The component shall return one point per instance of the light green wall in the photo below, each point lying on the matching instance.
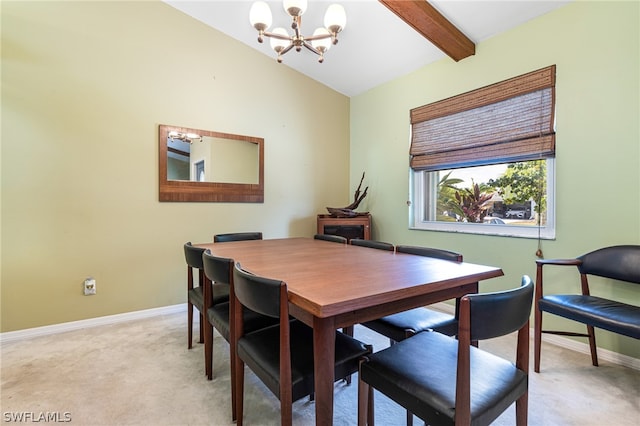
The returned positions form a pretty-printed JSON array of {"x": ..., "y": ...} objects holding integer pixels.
[
  {"x": 595, "y": 46},
  {"x": 84, "y": 87}
]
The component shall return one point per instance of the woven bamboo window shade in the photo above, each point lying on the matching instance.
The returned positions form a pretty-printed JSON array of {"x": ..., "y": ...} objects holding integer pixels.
[{"x": 509, "y": 121}]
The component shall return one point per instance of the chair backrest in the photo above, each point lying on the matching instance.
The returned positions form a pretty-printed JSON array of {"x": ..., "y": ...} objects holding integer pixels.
[
  {"x": 616, "y": 262},
  {"x": 498, "y": 313},
  {"x": 430, "y": 252},
  {"x": 237, "y": 236},
  {"x": 332, "y": 238},
  {"x": 193, "y": 255},
  {"x": 262, "y": 295},
  {"x": 488, "y": 315},
  {"x": 217, "y": 269},
  {"x": 380, "y": 245}
]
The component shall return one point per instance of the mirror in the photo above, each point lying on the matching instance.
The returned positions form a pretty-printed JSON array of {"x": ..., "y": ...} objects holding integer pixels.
[{"x": 202, "y": 165}]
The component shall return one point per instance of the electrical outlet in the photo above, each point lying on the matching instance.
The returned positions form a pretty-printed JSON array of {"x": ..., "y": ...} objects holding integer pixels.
[{"x": 89, "y": 286}]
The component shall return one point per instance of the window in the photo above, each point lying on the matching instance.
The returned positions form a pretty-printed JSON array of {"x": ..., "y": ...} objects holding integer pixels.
[{"x": 483, "y": 162}]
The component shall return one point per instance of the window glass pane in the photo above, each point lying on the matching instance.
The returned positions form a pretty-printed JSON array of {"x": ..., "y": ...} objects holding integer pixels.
[
  {"x": 504, "y": 199},
  {"x": 478, "y": 194}
]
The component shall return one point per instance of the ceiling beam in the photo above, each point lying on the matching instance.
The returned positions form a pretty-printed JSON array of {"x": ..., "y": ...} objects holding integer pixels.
[{"x": 425, "y": 19}]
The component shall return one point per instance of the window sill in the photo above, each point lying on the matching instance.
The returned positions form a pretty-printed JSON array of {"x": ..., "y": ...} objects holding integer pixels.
[{"x": 513, "y": 231}]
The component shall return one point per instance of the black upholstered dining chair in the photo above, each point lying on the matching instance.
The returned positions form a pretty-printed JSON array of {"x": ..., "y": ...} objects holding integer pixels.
[
  {"x": 445, "y": 381},
  {"x": 195, "y": 294},
  {"x": 405, "y": 324},
  {"x": 332, "y": 238},
  {"x": 380, "y": 245},
  {"x": 237, "y": 236},
  {"x": 399, "y": 326},
  {"x": 219, "y": 273},
  {"x": 281, "y": 356}
]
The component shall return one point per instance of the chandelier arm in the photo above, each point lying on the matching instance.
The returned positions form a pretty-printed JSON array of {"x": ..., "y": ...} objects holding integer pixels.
[
  {"x": 318, "y": 37},
  {"x": 278, "y": 36},
  {"x": 286, "y": 49},
  {"x": 311, "y": 48}
]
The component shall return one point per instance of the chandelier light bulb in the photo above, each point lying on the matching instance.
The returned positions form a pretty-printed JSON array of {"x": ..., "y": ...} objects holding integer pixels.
[
  {"x": 260, "y": 17},
  {"x": 335, "y": 19},
  {"x": 295, "y": 7},
  {"x": 277, "y": 44},
  {"x": 322, "y": 44}
]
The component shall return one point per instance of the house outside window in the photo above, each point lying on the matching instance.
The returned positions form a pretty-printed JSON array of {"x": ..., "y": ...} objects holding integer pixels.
[{"x": 484, "y": 161}]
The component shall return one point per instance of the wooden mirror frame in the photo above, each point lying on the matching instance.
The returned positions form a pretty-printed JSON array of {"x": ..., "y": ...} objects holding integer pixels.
[{"x": 178, "y": 190}]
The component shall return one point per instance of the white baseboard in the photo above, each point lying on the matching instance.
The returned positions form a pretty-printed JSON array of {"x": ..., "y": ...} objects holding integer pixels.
[
  {"x": 603, "y": 354},
  {"x": 12, "y": 336},
  {"x": 566, "y": 343}
]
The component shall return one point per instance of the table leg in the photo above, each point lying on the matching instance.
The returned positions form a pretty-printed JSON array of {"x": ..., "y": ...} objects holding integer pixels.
[{"x": 324, "y": 345}]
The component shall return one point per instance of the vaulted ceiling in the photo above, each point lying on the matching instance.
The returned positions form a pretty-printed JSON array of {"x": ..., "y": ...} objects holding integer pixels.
[{"x": 382, "y": 40}]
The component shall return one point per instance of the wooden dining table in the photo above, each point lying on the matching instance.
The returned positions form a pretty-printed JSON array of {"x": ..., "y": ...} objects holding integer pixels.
[{"x": 334, "y": 285}]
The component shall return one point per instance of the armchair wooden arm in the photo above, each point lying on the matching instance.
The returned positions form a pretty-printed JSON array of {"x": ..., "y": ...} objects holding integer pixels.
[{"x": 558, "y": 262}]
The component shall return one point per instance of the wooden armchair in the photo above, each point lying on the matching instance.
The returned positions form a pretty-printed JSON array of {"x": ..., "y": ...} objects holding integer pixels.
[{"x": 619, "y": 263}]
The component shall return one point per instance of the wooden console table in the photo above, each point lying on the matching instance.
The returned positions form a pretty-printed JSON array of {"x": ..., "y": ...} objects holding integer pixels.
[{"x": 348, "y": 227}]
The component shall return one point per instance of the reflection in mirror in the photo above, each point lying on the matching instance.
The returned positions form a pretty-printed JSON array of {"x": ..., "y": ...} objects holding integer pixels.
[
  {"x": 211, "y": 159},
  {"x": 201, "y": 165}
]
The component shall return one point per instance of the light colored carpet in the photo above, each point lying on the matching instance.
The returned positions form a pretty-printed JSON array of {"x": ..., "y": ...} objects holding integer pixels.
[{"x": 141, "y": 373}]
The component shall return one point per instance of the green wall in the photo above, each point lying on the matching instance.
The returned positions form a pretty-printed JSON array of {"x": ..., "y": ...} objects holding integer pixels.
[
  {"x": 595, "y": 46},
  {"x": 84, "y": 87},
  {"x": 86, "y": 84}
]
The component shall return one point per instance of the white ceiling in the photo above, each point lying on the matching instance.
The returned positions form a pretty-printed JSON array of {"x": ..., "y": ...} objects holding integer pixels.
[{"x": 376, "y": 46}]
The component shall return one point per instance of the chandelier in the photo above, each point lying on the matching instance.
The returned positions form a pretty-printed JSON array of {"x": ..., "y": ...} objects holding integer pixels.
[
  {"x": 281, "y": 41},
  {"x": 184, "y": 137}
]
